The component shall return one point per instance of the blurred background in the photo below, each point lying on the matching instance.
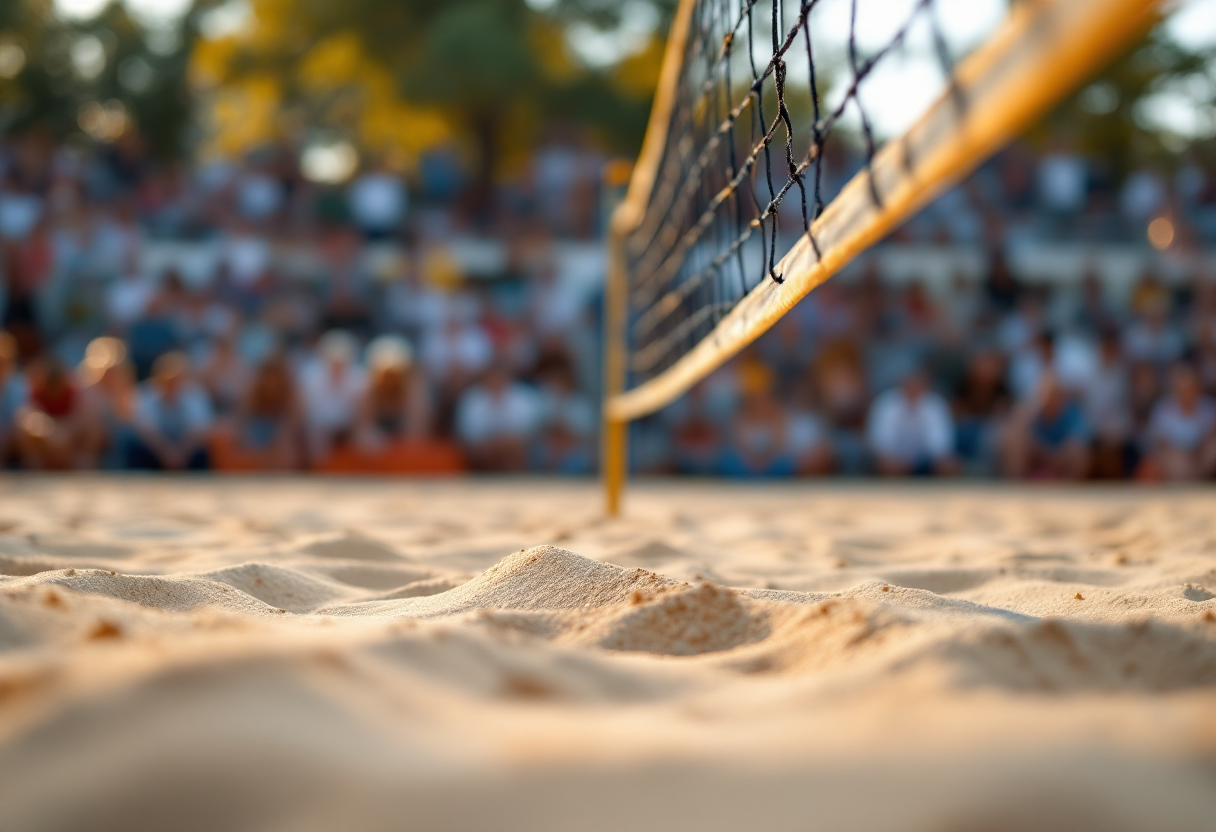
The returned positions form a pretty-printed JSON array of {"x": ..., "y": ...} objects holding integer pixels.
[{"x": 366, "y": 237}]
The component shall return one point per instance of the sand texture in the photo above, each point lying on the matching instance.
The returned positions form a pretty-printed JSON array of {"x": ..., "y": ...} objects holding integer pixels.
[{"x": 328, "y": 655}]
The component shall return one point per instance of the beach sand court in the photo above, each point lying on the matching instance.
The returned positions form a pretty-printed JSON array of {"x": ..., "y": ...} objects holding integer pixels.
[{"x": 313, "y": 654}]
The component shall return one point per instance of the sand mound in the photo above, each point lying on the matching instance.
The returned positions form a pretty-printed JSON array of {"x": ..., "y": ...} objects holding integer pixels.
[
  {"x": 682, "y": 622},
  {"x": 178, "y": 594},
  {"x": 541, "y": 578}
]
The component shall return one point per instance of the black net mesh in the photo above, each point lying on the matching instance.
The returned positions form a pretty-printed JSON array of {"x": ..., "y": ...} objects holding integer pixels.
[{"x": 747, "y": 163}]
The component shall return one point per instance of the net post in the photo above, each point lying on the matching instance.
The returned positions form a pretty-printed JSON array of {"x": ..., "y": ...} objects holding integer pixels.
[
  {"x": 614, "y": 456},
  {"x": 614, "y": 452}
]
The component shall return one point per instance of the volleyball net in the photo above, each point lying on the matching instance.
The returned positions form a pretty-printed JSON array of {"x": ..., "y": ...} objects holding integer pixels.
[{"x": 738, "y": 206}]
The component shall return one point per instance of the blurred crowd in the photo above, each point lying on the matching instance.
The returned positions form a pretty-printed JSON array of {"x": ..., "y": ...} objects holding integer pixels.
[
  {"x": 391, "y": 324},
  {"x": 1027, "y": 198},
  {"x": 284, "y": 325},
  {"x": 987, "y": 377}
]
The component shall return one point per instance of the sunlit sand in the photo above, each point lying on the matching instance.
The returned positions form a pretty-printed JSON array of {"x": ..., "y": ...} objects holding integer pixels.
[{"x": 322, "y": 654}]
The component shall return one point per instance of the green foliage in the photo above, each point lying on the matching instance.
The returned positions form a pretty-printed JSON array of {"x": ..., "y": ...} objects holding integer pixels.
[
  {"x": 1107, "y": 119},
  {"x": 475, "y": 55},
  {"x": 117, "y": 67}
]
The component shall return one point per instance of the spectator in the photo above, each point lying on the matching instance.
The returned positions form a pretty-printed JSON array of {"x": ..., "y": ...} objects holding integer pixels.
[
  {"x": 962, "y": 308},
  {"x": 1149, "y": 295},
  {"x": 808, "y": 443},
  {"x": 258, "y": 194},
  {"x": 128, "y": 298},
  {"x": 457, "y": 352},
  {"x": 910, "y": 430},
  {"x": 1062, "y": 182},
  {"x": 696, "y": 445},
  {"x": 225, "y": 375},
  {"x": 1030, "y": 363},
  {"x": 20, "y": 210},
  {"x": 566, "y": 441},
  {"x": 1150, "y": 338},
  {"x": 13, "y": 396},
  {"x": 842, "y": 393},
  {"x": 26, "y": 265},
  {"x": 496, "y": 421},
  {"x": 246, "y": 262},
  {"x": 267, "y": 425},
  {"x": 173, "y": 418},
  {"x": 1143, "y": 195},
  {"x": 554, "y": 305},
  {"x": 980, "y": 404},
  {"x": 378, "y": 202},
  {"x": 1074, "y": 359},
  {"x": 1092, "y": 313},
  {"x": 111, "y": 395},
  {"x": 1104, "y": 398},
  {"x": 759, "y": 444},
  {"x": 1002, "y": 289},
  {"x": 153, "y": 334},
  {"x": 396, "y": 405},
  {"x": 1144, "y": 389},
  {"x": 1047, "y": 436},
  {"x": 1182, "y": 431},
  {"x": 53, "y": 427},
  {"x": 332, "y": 386},
  {"x": 1205, "y": 356},
  {"x": 1021, "y": 326}
]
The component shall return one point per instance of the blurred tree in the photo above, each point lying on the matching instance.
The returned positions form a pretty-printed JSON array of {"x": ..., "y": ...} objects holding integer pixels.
[
  {"x": 107, "y": 77},
  {"x": 1116, "y": 118},
  {"x": 399, "y": 76},
  {"x": 405, "y": 75}
]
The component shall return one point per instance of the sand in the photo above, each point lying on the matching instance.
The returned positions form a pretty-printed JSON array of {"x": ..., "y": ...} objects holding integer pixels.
[{"x": 322, "y": 655}]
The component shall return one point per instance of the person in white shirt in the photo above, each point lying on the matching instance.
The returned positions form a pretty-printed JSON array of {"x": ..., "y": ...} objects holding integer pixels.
[
  {"x": 1182, "y": 430},
  {"x": 455, "y": 354},
  {"x": 247, "y": 257},
  {"x": 331, "y": 387},
  {"x": 1151, "y": 338},
  {"x": 258, "y": 195},
  {"x": 910, "y": 430},
  {"x": 129, "y": 297},
  {"x": 496, "y": 422},
  {"x": 378, "y": 203},
  {"x": 172, "y": 419},
  {"x": 1104, "y": 398},
  {"x": 1062, "y": 181},
  {"x": 567, "y": 423},
  {"x": 1027, "y": 365}
]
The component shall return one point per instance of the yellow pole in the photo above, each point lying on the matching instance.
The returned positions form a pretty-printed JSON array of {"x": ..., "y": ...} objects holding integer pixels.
[
  {"x": 614, "y": 454},
  {"x": 625, "y": 219},
  {"x": 614, "y": 465}
]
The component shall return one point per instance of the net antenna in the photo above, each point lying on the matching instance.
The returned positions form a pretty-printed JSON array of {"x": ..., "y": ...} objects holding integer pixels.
[{"x": 726, "y": 223}]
